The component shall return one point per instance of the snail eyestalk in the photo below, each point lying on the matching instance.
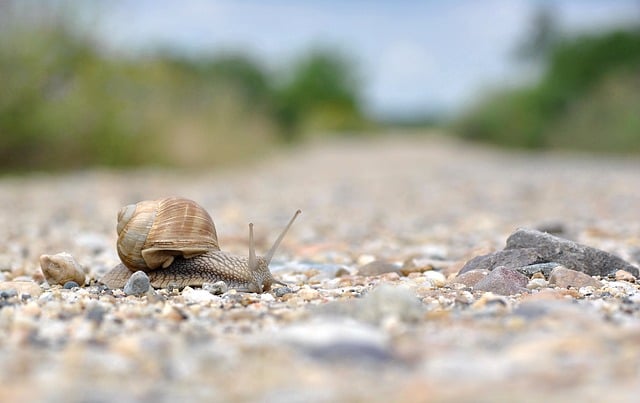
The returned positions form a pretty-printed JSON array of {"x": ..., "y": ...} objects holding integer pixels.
[
  {"x": 273, "y": 249},
  {"x": 253, "y": 262}
]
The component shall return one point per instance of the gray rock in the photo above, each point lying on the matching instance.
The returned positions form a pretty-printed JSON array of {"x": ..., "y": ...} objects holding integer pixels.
[
  {"x": 217, "y": 288},
  {"x": 281, "y": 291},
  {"x": 503, "y": 281},
  {"x": 70, "y": 285},
  {"x": 565, "y": 278},
  {"x": 511, "y": 259},
  {"x": 572, "y": 255},
  {"x": 138, "y": 284}
]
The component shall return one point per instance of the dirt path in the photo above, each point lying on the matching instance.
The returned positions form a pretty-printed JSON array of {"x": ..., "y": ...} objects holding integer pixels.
[{"x": 330, "y": 338}]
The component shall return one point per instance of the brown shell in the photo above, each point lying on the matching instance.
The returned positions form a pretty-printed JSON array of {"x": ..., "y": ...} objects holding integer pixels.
[{"x": 151, "y": 233}]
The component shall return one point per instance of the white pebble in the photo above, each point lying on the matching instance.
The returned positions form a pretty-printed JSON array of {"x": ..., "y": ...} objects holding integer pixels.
[
  {"x": 436, "y": 278},
  {"x": 193, "y": 296}
]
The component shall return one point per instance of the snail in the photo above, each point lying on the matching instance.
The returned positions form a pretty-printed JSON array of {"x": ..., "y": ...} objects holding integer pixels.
[{"x": 174, "y": 241}]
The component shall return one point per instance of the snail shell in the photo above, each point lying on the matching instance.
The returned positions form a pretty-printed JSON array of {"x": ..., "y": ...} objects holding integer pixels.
[{"x": 152, "y": 233}]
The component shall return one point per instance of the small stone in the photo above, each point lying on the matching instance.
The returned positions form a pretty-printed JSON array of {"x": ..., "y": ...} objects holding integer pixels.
[
  {"x": 61, "y": 268},
  {"x": 537, "y": 283},
  {"x": 623, "y": 275},
  {"x": 377, "y": 268},
  {"x": 365, "y": 259},
  {"x": 543, "y": 269},
  {"x": 565, "y": 278},
  {"x": 194, "y": 296},
  {"x": 138, "y": 284},
  {"x": 70, "y": 285},
  {"x": 415, "y": 265},
  {"x": 8, "y": 293},
  {"x": 217, "y": 288},
  {"x": 281, "y": 291},
  {"x": 503, "y": 281},
  {"x": 470, "y": 278},
  {"x": 308, "y": 294},
  {"x": 266, "y": 297},
  {"x": 436, "y": 278}
]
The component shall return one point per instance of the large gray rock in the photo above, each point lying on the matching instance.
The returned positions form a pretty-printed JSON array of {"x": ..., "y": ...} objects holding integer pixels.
[
  {"x": 527, "y": 247},
  {"x": 572, "y": 255}
]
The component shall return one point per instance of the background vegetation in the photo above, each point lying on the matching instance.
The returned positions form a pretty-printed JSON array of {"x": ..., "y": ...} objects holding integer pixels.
[
  {"x": 66, "y": 103},
  {"x": 588, "y": 97}
]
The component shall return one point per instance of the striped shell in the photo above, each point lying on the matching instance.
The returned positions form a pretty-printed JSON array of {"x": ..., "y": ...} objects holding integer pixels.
[{"x": 152, "y": 233}]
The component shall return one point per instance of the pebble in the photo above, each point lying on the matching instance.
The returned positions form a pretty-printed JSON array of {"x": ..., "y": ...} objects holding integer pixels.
[
  {"x": 565, "y": 278},
  {"x": 543, "y": 269},
  {"x": 436, "y": 278},
  {"x": 470, "y": 278},
  {"x": 416, "y": 265},
  {"x": 623, "y": 275},
  {"x": 307, "y": 293},
  {"x": 199, "y": 296},
  {"x": 537, "y": 283},
  {"x": 281, "y": 291},
  {"x": 61, "y": 268},
  {"x": 138, "y": 284},
  {"x": 70, "y": 285},
  {"x": 503, "y": 281},
  {"x": 217, "y": 288}
]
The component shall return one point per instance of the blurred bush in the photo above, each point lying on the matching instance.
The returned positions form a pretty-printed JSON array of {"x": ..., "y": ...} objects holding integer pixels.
[
  {"x": 320, "y": 94},
  {"x": 65, "y": 104},
  {"x": 588, "y": 98}
]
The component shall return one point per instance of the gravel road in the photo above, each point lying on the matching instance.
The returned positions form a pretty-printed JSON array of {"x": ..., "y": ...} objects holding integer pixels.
[{"x": 372, "y": 311}]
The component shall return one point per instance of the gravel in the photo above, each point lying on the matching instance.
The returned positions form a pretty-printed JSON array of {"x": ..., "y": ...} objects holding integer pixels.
[{"x": 405, "y": 329}]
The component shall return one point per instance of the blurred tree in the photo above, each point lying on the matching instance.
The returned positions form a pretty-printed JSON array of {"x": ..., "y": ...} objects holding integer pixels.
[
  {"x": 321, "y": 92},
  {"x": 542, "y": 36},
  {"x": 65, "y": 103},
  {"x": 584, "y": 74}
]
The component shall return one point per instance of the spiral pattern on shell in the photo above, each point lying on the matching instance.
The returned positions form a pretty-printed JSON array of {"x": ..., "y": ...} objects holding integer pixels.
[{"x": 152, "y": 233}]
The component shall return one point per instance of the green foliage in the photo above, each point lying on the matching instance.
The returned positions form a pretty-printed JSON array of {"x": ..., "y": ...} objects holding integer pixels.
[
  {"x": 64, "y": 104},
  {"x": 585, "y": 100},
  {"x": 320, "y": 94}
]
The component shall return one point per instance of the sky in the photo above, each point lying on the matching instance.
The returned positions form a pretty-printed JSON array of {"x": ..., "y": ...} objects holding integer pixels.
[{"x": 413, "y": 56}]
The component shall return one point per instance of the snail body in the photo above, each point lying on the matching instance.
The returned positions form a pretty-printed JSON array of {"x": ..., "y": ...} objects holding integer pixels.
[{"x": 175, "y": 242}]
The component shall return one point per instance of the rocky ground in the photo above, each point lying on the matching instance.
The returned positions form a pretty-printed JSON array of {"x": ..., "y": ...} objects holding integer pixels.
[{"x": 373, "y": 310}]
